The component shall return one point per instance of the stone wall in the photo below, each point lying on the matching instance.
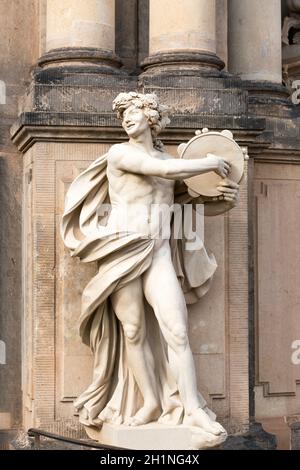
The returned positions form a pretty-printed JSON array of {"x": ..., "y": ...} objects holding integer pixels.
[{"x": 19, "y": 49}]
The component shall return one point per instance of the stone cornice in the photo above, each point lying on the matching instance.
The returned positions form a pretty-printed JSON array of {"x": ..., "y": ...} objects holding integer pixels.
[{"x": 34, "y": 127}]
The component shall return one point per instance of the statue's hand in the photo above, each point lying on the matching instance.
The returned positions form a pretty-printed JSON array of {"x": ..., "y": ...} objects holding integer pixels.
[
  {"x": 230, "y": 192},
  {"x": 220, "y": 166}
]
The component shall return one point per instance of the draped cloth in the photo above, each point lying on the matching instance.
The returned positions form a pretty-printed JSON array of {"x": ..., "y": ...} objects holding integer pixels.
[{"x": 121, "y": 257}]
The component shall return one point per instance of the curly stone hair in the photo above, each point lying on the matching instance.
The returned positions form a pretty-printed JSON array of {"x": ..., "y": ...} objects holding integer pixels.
[{"x": 156, "y": 113}]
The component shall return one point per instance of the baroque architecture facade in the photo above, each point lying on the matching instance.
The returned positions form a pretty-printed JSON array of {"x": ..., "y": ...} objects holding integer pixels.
[{"x": 220, "y": 64}]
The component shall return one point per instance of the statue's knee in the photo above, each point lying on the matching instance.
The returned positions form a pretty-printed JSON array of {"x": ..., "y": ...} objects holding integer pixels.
[
  {"x": 132, "y": 332},
  {"x": 179, "y": 335}
]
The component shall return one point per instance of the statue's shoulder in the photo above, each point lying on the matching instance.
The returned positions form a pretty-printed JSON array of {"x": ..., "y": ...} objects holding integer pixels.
[{"x": 116, "y": 151}]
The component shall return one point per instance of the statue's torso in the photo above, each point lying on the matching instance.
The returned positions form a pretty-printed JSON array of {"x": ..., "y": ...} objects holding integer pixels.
[{"x": 137, "y": 200}]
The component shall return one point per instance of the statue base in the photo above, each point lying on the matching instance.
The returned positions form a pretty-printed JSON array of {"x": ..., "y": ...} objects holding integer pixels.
[{"x": 154, "y": 436}]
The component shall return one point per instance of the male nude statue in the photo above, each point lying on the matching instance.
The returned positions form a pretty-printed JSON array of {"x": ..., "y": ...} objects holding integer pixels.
[{"x": 140, "y": 174}]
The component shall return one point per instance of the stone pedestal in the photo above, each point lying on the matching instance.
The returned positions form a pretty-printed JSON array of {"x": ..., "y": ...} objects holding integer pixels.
[{"x": 154, "y": 437}]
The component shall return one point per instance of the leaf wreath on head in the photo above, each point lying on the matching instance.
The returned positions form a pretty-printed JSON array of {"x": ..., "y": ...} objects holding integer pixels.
[{"x": 157, "y": 114}]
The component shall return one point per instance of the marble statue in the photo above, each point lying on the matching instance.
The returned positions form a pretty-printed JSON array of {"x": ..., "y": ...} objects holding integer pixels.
[{"x": 134, "y": 314}]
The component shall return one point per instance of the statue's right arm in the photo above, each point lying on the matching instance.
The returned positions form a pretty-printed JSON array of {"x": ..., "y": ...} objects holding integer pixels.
[{"x": 170, "y": 168}]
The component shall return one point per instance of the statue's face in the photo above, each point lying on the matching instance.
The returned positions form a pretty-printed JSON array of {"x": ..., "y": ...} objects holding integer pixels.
[{"x": 134, "y": 121}]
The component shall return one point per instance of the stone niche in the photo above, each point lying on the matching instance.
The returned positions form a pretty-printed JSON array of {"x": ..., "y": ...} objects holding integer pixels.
[
  {"x": 56, "y": 366},
  {"x": 277, "y": 297}
]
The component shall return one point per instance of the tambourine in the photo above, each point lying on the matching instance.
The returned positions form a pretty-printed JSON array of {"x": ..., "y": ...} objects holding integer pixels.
[{"x": 220, "y": 144}]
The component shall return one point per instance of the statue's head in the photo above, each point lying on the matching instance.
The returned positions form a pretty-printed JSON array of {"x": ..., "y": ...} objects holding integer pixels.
[{"x": 155, "y": 113}]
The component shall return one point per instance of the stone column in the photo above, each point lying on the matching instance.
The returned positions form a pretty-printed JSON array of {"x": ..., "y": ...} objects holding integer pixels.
[
  {"x": 183, "y": 33},
  {"x": 254, "y": 42},
  {"x": 81, "y": 32}
]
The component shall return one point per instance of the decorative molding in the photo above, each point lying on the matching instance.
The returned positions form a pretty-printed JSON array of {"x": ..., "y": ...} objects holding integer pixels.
[
  {"x": 105, "y": 60},
  {"x": 196, "y": 61},
  {"x": 274, "y": 185},
  {"x": 267, "y": 89},
  {"x": 83, "y": 127},
  {"x": 71, "y": 276}
]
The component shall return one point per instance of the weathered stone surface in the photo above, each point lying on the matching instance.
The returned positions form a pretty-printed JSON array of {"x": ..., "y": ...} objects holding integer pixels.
[
  {"x": 254, "y": 41},
  {"x": 150, "y": 436},
  {"x": 256, "y": 439},
  {"x": 18, "y": 51},
  {"x": 89, "y": 24},
  {"x": 189, "y": 26},
  {"x": 295, "y": 436}
]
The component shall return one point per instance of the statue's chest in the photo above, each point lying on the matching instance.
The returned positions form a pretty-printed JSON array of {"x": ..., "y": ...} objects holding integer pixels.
[{"x": 161, "y": 186}]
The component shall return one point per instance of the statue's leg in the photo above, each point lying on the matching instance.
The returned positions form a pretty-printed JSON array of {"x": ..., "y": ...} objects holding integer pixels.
[
  {"x": 128, "y": 305},
  {"x": 164, "y": 294}
]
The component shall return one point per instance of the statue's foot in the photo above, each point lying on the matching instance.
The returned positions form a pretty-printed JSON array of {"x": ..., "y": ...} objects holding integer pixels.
[
  {"x": 109, "y": 415},
  {"x": 200, "y": 419},
  {"x": 146, "y": 414}
]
